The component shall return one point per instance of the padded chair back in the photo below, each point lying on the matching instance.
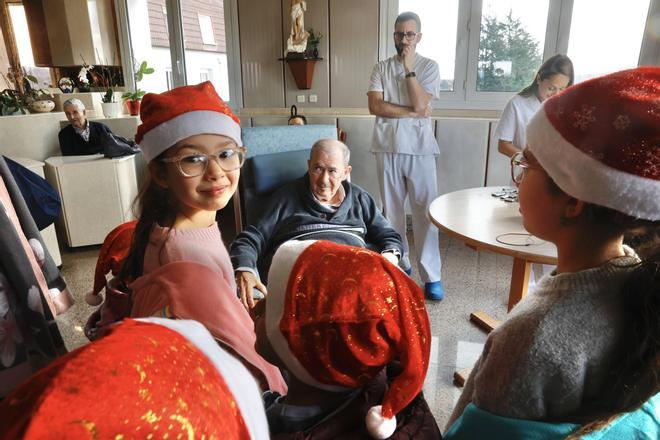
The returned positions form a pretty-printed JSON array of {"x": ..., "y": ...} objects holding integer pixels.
[{"x": 276, "y": 156}]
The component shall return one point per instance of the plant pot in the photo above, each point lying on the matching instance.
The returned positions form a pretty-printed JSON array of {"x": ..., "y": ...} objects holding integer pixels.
[
  {"x": 111, "y": 109},
  {"x": 42, "y": 106},
  {"x": 133, "y": 107}
]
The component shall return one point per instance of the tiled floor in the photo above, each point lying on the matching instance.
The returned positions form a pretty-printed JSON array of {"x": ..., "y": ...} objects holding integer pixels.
[{"x": 473, "y": 281}]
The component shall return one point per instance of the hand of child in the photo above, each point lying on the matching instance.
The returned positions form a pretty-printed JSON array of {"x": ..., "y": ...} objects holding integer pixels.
[{"x": 246, "y": 282}]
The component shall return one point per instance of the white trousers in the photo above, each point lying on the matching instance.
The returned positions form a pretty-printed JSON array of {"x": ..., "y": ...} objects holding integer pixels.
[{"x": 402, "y": 176}]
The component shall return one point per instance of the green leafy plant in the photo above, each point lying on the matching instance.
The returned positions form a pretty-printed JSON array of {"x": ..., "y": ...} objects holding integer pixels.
[
  {"x": 108, "y": 96},
  {"x": 17, "y": 101},
  {"x": 314, "y": 38},
  {"x": 141, "y": 69},
  {"x": 11, "y": 103}
]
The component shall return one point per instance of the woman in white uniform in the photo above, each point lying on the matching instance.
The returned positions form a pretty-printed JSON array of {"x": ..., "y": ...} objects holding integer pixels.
[{"x": 554, "y": 75}]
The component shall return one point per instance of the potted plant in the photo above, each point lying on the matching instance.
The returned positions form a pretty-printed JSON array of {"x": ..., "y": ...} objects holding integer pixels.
[
  {"x": 111, "y": 108},
  {"x": 38, "y": 100},
  {"x": 133, "y": 99},
  {"x": 11, "y": 103},
  {"x": 313, "y": 41}
]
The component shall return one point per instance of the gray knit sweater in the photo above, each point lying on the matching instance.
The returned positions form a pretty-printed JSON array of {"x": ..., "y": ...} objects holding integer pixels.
[{"x": 554, "y": 350}]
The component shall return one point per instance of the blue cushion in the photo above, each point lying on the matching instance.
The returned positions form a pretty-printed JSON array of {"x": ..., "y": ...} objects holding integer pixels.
[
  {"x": 278, "y": 138},
  {"x": 271, "y": 171}
]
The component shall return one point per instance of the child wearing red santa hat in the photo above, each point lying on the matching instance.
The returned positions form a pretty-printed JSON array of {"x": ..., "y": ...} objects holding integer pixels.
[
  {"x": 585, "y": 345},
  {"x": 192, "y": 142},
  {"x": 336, "y": 318},
  {"x": 150, "y": 378}
]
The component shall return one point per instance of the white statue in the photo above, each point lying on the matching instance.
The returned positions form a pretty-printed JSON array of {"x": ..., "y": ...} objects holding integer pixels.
[{"x": 297, "y": 41}]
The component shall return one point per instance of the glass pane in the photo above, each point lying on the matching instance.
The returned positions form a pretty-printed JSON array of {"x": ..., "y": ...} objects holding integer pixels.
[
  {"x": 22, "y": 36},
  {"x": 609, "y": 43},
  {"x": 205, "y": 48},
  {"x": 511, "y": 42},
  {"x": 439, "y": 23},
  {"x": 147, "y": 20}
]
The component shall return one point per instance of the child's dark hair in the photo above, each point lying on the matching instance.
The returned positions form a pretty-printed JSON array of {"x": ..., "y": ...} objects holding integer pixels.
[
  {"x": 557, "y": 64},
  {"x": 294, "y": 115},
  {"x": 152, "y": 205}
]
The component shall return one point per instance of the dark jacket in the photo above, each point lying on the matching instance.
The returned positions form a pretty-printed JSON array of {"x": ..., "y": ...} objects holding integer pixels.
[
  {"x": 72, "y": 144},
  {"x": 348, "y": 422},
  {"x": 293, "y": 213}
]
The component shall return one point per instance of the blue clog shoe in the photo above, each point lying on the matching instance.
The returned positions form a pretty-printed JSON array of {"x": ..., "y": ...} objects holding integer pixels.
[{"x": 434, "y": 291}]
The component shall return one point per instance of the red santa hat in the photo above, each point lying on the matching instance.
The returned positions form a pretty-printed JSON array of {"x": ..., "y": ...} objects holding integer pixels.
[
  {"x": 111, "y": 257},
  {"x": 336, "y": 315},
  {"x": 144, "y": 379},
  {"x": 182, "y": 112},
  {"x": 600, "y": 141}
]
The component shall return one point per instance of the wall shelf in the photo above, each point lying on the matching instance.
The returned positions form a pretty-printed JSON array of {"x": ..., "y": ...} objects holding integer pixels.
[{"x": 302, "y": 70}]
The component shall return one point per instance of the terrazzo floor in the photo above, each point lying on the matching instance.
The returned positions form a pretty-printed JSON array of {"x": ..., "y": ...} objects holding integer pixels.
[{"x": 472, "y": 280}]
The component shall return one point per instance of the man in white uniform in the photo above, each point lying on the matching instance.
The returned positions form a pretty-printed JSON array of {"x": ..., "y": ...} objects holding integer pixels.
[{"x": 400, "y": 92}]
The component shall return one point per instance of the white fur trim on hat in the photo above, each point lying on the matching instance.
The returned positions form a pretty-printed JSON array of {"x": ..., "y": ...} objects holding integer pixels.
[
  {"x": 238, "y": 379},
  {"x": 588, "y": 179},
  {"x": 378, "y": 426},
  {"x": 162, "y": 137},
  {"x": 278, "y": 280}
]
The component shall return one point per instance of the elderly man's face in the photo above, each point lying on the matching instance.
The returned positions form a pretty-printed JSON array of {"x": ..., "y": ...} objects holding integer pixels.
[
  {"x": 326, "y": 172},
  {"x": 75, "y": 116}
]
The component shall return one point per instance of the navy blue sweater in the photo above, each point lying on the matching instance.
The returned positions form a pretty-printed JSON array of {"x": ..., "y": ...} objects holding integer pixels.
[
  {"x": 293, "y": 213},
  {"x": 72, "y": 144}
]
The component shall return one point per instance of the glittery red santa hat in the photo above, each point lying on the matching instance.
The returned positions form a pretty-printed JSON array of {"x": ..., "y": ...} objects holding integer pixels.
[
  {"x": 147, "y": 378},
  {"x": 336, "y": 315},
  {"x": 600, "y": 141},
  {"x": 182, "y": 112},
  {"x": 111, "y": 257}
]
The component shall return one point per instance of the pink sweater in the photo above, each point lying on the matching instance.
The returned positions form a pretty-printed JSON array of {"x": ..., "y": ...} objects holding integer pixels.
[{"x": 204, "y": 246}]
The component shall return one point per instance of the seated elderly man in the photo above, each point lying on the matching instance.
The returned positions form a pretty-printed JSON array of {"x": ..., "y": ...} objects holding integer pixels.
[
  {"x": 82, "y": 136},
  {"x": 321, "y": 205}
]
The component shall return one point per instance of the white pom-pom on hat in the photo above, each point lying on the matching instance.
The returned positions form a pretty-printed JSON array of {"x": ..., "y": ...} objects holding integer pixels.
[{"x": 378, "y": 426}]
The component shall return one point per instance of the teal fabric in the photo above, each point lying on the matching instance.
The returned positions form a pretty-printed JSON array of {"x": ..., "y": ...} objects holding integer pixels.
[
  {"x": 279, "y": 138},
  {"x": 474, "y": 423}
]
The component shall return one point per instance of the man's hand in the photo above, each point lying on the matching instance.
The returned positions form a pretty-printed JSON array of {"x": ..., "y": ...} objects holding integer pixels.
[
  {"x": 246, "y": 283},
  {"x": 407, "y": 57},
  {"x": 391, "y": 257}
]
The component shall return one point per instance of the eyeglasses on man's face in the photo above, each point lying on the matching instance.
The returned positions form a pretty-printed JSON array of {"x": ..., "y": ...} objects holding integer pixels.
[
  {"x": 410, "y": 35},
  {"x": 196, "y": 164},
  {"x": 519, "y": 163}
]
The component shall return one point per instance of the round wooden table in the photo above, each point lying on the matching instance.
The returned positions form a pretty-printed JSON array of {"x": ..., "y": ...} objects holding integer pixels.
[{"x": 487, "y": 223}]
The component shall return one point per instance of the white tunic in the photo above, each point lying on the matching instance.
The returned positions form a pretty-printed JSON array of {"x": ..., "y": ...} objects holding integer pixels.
[
  {"x": 515, "y": 117},
  {"x": 404, "y": 135}
]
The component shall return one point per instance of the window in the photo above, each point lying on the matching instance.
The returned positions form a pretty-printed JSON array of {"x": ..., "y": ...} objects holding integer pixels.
[
  {"x": 22, "y": 37},
  {"x": 511, "y": 37},
  {"x": 443, "y": 29},
  {"x": 206, "y": 29},
  {"x": 192, "y": 46},
  {"x": 617, "y": 31},
  {"x": 205, "y": 48},
  {"x": 488, "y": 50}
]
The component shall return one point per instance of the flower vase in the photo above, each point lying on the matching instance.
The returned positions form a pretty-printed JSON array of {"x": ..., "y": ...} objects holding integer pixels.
[{"x": 133, "y": 106}]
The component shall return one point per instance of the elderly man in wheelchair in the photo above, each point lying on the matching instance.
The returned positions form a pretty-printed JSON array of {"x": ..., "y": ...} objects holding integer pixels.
[{"x": 321, "y": 205}]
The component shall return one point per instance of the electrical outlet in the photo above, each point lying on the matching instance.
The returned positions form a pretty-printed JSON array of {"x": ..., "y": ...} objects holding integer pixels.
[
  {"x": 313, "y": 98},
  {"x": 300, "y": 98}
]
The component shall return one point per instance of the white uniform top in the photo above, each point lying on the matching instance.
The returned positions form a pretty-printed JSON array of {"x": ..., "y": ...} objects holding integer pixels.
[
  {"x": 515, "y": 117},
  {"x": 404, "y": 135}
]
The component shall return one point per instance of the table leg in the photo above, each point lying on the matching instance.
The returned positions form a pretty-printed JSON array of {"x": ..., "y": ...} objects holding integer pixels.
[
  {"x": 519, "y": 281},
  {"x": 461, "y": 376}
]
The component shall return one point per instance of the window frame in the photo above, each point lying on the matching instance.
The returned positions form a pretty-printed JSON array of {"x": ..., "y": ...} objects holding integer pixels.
[
  {"x": 177, "y": 49},
  {"x": 465, "y": 96}
]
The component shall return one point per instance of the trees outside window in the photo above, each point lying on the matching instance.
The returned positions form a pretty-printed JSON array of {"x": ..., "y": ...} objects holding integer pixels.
[{"x": 508, "y": 55}]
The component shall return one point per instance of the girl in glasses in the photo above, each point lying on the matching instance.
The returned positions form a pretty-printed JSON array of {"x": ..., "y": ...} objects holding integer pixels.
[
  {"x": 192, "y": 142},
  {"x": 583, "y": 351}
]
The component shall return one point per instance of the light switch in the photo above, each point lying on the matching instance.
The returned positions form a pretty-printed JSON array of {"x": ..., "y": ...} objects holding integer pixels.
[
  {"x": 313, "y": 98},
  {"x": 300, "y": 98}
]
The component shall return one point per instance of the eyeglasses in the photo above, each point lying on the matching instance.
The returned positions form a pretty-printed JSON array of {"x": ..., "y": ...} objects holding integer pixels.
[
  {"x": 410, "y": 35},
  {"x": 193, "y": 165},
  {"x": 519, "y": 164}
]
